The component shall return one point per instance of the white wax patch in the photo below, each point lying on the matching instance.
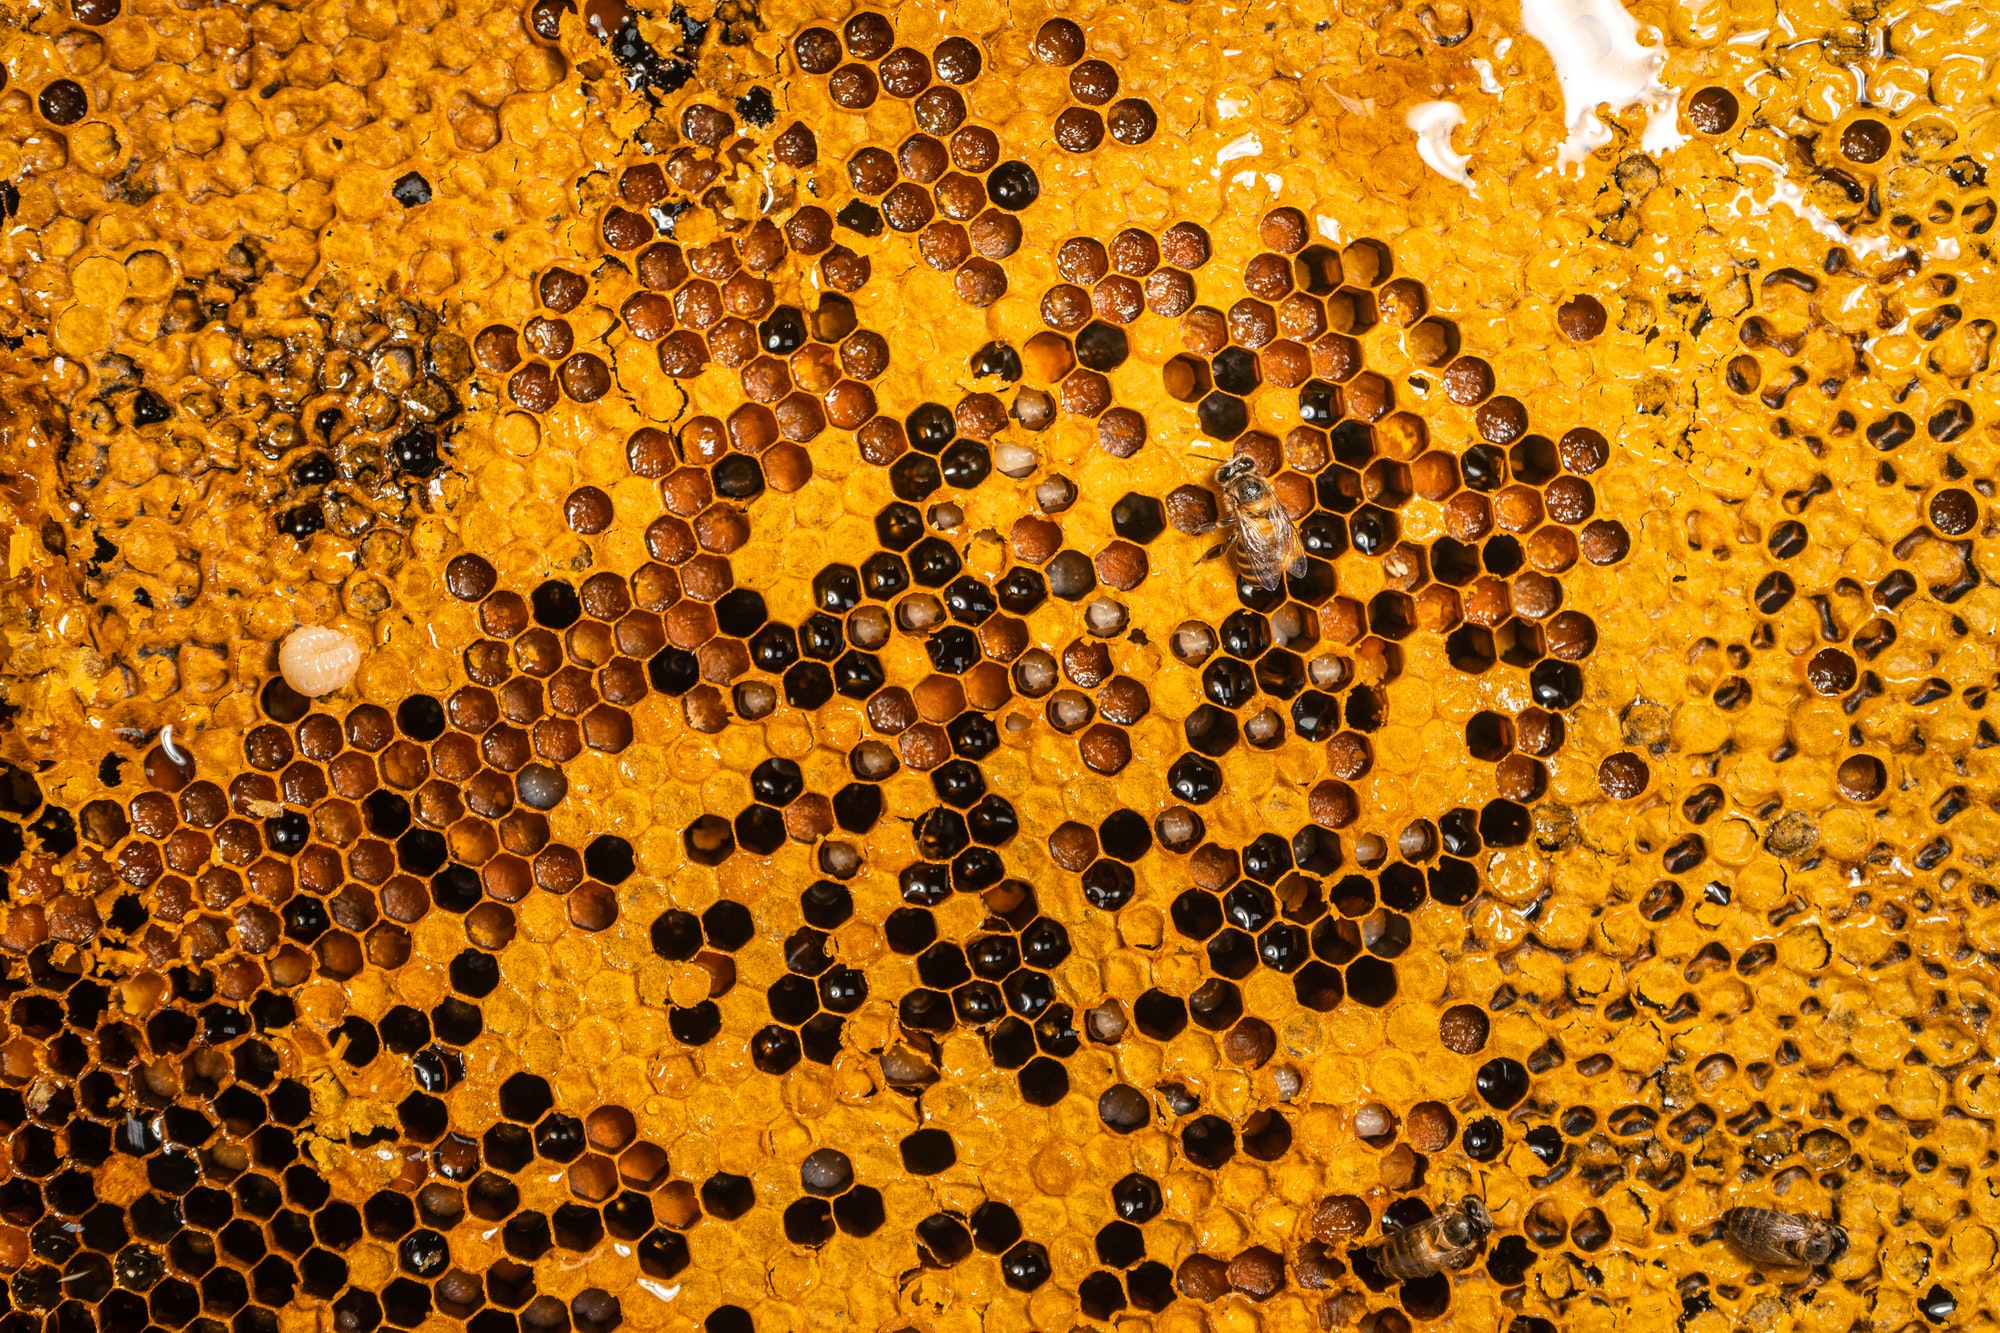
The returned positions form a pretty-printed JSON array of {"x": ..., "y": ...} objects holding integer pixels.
[
  {"x": 315, "y": 660},
  {"x": 1599, "y": 62},
  {"x": 1788, "y": 192},
  {"x": 1434, "y": 122}
]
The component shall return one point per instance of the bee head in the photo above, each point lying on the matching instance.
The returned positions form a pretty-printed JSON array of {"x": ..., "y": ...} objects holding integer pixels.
[
  {"x": 1828, "y": 1243},
  {"x": 1235, "y": 468},
  {"x": 1480, "y": 1221}
]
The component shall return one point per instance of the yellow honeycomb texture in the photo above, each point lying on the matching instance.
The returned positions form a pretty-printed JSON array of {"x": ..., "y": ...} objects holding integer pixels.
[{"x": 820, "y": 836}]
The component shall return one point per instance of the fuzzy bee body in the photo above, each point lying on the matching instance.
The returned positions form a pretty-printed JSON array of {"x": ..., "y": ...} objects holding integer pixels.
[
  {"x": 1790, "y": 1240},
  {"x": 1261, "y": 534},
  {"x": 1448, "y": 1241}
]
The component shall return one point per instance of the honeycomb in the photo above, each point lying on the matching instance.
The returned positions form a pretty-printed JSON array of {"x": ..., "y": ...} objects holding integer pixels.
[{"x": 821, "y": 836}]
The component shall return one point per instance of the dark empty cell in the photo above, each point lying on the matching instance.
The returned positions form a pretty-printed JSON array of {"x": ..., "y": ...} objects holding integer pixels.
[
  {"x": 728, "y": 924},
  {"x": 860, "y": 1212},
  {"x": 793, "y": 999},
  {"x": 1029, "y": 992},
  {"x": 1159, "y": 1015},
  {"x": 1211, "y": 731},
  {"x": 973, "y": 735},
  {"x": 931, "y": 427},
  {"x": 1101, "y": 1295},
  {"x": 727, "y": 1197},
  {"x": 808, "y": 685},
  {"x": 783, "y": 331},
  {"x": 1319, "y": 402},
  {"x": 1126, "y": 835},
  {"x": 1196, "y": 914},
  {"x": 337, "y": 1224},
  {"x": 992, "y": 821},
  {"x": 933, "y": 562},
  {"x": 1222, "y": 416},
  {"x": 883, "y": 575},
  {"x": 1401, "y": 887},
  {"x": 843, "y": 989},
  {"x": 978, "y": 1003},
  {"x": 808, "y": 1222},
  {"x": 1043, "y": 1081},
  {"x": 861, "y": 217},
  {"x": 1371, "y": 981},
  {"x": 776, "y": 781},
  {"x": 1216, "y": 1004},
  {"x": 456, "y": 888},
  {"x": 995, "y": 1227},
  {"x": 1025, "y": 1267},
  {"x": 676, "y": 934},
  {"x": 857, "y": 807},
  {"x": 420, "y": 717},
  {"x": 1108, "y": 885},
  {"x": 1502, "y": 1082},
  {"x": 927, "y": 1152},
  {"x": 1788, "y": 539},
  {"x": 1055, "y": 1032},
  {"x": 527, "y": 1236},
  {"x": 944, "y": 1238},
  {"x": 1150, "y": 1286},
  {"x": 969, "y": 601},
  {"x": 821, "y": 637},
  {"x": 739, "y": 612},
  {"x": 286, "y": 833},
  {"x": 1208, "y": 1141},
  {"x": 899, "y": 526},
  {"x": 1010, "y": 1043},
  {"x": 941, "y": 834},
  {"x": 1194, "y": 779},
  {"x": 1102, "y": 346},
  {"x": 996, "y": 358},
  {"x": 673, "y": 671},
  {"x": 1228, "y": 683},
  {"x": 1283, "y": 947},
  {"x": 1484, "y": 468},
  {"x": 943, "y": 966},
  {"x": 556, "y": 604},
  {"x": 361, "y": 1044},
  {"x": 1013, "y": 185},
  {"x": 826, "y": 904},
  {"x": 1236, "y": 371},
  {"x": 475, "y": 973},
  {"x": 966, "y": 464},
  {"x": 1245, "y": 634},
  {"x": 1250, "y": 906},
  {"x": 526, "y": 1098},
  {"x": 1138, "y": 518},
  {"x": 857, "y": 675},
  {"x": 457, "y": 1022},
  {"x": 1268, "y": 859},
  {"x": 411, "y": 189},
  {"x": 1045, "y": 943},
  {"x": 1373, "y": 530},
  {"x": 837, "y": 589},
  {"x": 924, "y": 883},
  {"x": 1021, "y": 590},
  {"x": 821, "y": 1037},
  {"x": 1504, "y": 824},
  {"x": 1509, "y": 1261},
  {"x": 737, "y": 477},
  {"x": 559, "y": 1137},
  {"x": 775, "y": 1049}
]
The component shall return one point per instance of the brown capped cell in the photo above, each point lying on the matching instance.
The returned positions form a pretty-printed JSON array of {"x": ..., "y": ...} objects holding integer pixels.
[
  {"x": 800, "y": 416},
  {"x": 1169, "y": 292},
  {"x": 1463, "y": 1028},
  {"x": 1402, "y": 302},
  {"x": 939, "y": 698},
  {"x": 1332, "y": 804},
  {"x": 939, "y": 110},
  {"x": 849, "y": 404},
  {"x": 1569, "y": 500},
  {"x": 643, "y": 186},
  {"x": 960, "y": 197},
  {"x": 1073, "y": 846},
  {"x": 683, "y": 354},
  {"x": 881, "y": 441},
  {"x": 1580, "y": 318},
  {"x": 1121, "y": 432},
  {"x": 1132, "y": 121},
  {"x": 702, "y": 440},
  {"x": 1831, "y": 671},
  {"x": 1286, "y": 364},
  {"x": 1623, "y": 775},
  {"x": 1536, "y": 596},
  {"x": 809, "y": 231},
  {"x": 1488, "y": 601},
  {"x": 720, "y": 529},
  {"x": 1086, "y": 663},
  {"x": 1058, "y": 42},
  {"x": 766, "y": 380},
  {"x": 853, "y": 87},
  {"x": 907, "y": 207},
  {"x": 561, "y": 290},
  {"x": 1118, "y": 299},
  {"x": 625, "y": 230},
  {"x": 905, "y": 72},
  {"x": 986, "y": 685},
  {"x": 534, "y": 388},
  {"x": 1185, "y": 246},
  {"x": 662, "y": 266},
  {"x": 1204, "y": 331},
  {"x": 1134, "y": 253},
  {"x": 648, "y": 315},
  {"x": 864, "y": 354},
  {"x": 585, "y": 378},
  {"x": 1604, "y": 541},
  {"x": 868, "y": 35},
  {"x": 497, "y": 349},
  {"x": 469, "y": 577},
  {"x": 1712, "y": 110},
  {"x": 816, "y": 367},
  {"x": 1123, "y": 700},
  {"x": 1191, "y": 509},
  {"x": 1349, "y": 756},
  {"x": 1583, "y": 451},
  {"x": 1467, "y": 381},
  {"x": 1034, "y": 539},
  {"x": 1336, "y": 357},
  {"x": 706, "y": 125},
  {"x": 1953, "y": 512},
  {"x": 1268, "y": 276},
  {"x": 1368, "y": 397},
  {"x": 1084, "y": 393},
  {"x": 762, "y": 247},
  {"x": 746, "y": 296},
  {"x": 549, "y": 337},
  {"x": 1066, "y": 307},
  {"x": 979, "y": 415},
  {"x": 1501, "y": 420},
  {"x": 1078, "y": 129},
  {"x": 1202, "y": 1277},
  {"x": 844, "y": 270},
  {"x": 698, "y": 305},
  {"x": 871, "y": 171},
  {"x": 1517, "y": 508},
  {"x": 1301, "y": 317},
  {"x": 923, "y": 159},
  {"x": 1047, "y": 357},
  {"x": 924, "y": 746},
  {"x": 1284, "y": 230},
  {"x": 1553, "y": 550},
  {"x": 944, "y": 246},
  {"x": 1082, "y": 260},
  {"x": 1093, "y": 82},
  {"x": 1468, "y": 516},
  {"x": 1258, "y": 1272}
]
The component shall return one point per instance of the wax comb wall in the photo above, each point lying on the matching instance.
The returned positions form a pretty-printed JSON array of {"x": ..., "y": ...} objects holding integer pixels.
[{"x": 834, "y": 825}]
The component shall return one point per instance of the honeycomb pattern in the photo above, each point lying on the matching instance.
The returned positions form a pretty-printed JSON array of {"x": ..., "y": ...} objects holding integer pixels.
[{"x": 819, "y": 836}]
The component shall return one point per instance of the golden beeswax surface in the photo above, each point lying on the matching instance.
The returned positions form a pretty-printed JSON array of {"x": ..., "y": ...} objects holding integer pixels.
[{"x": 828, "y": 831}]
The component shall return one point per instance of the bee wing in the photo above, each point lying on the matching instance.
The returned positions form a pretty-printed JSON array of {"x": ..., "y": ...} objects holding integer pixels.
[{"x": 1297, "y": 568}]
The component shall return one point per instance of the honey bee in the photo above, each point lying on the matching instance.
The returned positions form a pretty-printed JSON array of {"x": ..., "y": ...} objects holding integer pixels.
[
  {"x": 1789, "y": 1240},
  {"x": 1261, "y": 534},
  {"x": 1448, "y": 1241}
]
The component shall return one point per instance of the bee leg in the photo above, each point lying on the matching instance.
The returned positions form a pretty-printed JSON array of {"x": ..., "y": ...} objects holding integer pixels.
[{"x": 1214, "y": 552}]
